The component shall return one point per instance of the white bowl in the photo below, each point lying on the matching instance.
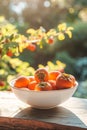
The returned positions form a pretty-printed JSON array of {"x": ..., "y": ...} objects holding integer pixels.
[{"x": 43, "y": 99}]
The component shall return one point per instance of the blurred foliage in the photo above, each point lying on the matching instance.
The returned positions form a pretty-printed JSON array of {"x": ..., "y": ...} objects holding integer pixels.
[
  {"x": 75, "y": 47},
  {"x": 81, "y": 91},
  {"x": 10, "y": 68},
  {"x": 13, "y": 43},
  {"x": 68, "y": 60},
  {"x": 78, "y": 41},
  {"x": 58, "y": 65},
  {"x": 28, "y": 11},
  {"x": 81, "y": 68}
]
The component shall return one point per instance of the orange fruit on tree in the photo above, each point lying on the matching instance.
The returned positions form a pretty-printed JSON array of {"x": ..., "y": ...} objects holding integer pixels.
[
  {"x": 31, "y": 47},
  {"x": 9, "y": 53},
  {"x": 64, "y": 81},
  {"x": 41, "y": 75},
  {"x": 51, "y": 40},
  {"x": 2, "y": 83},
  {"x": 21, "y": 82}
]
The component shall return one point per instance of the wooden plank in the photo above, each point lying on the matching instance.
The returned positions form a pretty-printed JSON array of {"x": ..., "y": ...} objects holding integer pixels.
[
  {"x": 21, "y": 124},
  {"x": 72, "y": 113}
]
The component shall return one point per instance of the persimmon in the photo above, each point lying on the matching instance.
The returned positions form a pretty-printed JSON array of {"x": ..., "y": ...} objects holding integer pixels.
[
  {"x": 31, "y": 78},
  {"x": 51, "y": 40},
  {"x": 2, "y": 83},
  {"x": 21, "y": 82},
  {"x": 41, "y": 75},
  {"x": 31, "y": 47},
  {"x": 53, "y": 83},
  {"x": 43, "y": 86},
  {"x": 9, "y": 53},
  {"x": 64, "y": 81},
  {"x": 0, "y": 51},
  {"x": 32, "y": 85},
  {"x": 53, "y": 75}
]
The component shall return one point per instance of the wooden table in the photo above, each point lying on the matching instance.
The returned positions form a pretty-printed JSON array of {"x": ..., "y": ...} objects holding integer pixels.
[{"x": 16, "y": 115}]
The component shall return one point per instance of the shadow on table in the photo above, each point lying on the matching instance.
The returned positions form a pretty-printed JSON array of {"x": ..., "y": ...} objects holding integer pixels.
[{"x": 59, "y": 115}]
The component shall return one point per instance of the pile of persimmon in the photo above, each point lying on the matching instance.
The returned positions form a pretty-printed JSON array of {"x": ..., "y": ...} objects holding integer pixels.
[{"x": 44, "y": 80}]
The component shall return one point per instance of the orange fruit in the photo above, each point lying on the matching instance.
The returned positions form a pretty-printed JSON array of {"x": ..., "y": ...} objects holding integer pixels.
[
  {"x": 31, "y": 78},
  {"x": 9, "y": 53},
  {"x": 21, "y": 82},
  {"x": 2, "y": 83},
  {"x": 53, "y": 75},
  {"x": 53, "y": 84},
  {"x": 31, "y": 47},
  {"x": 43, "y": 86},
  {"x": 32, "y": 85},
  {"x": 65, "y": 81},
  {"x": 51, "y": 40},
  {"x": 41, "y": 75}
]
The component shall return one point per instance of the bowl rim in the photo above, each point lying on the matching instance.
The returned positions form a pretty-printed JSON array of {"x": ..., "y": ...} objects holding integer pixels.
[{"x": 11, "y": 83}]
